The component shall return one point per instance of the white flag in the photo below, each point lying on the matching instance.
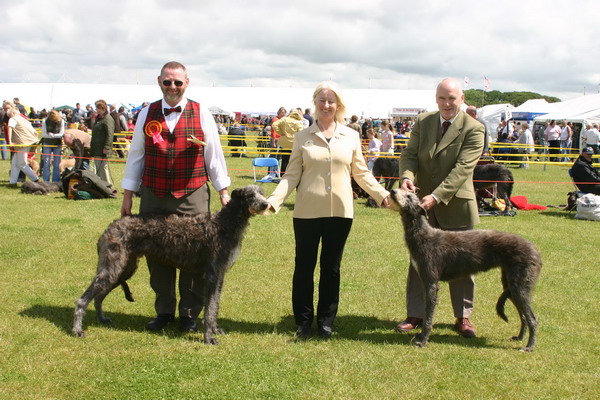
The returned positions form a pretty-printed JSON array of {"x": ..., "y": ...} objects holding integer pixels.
[{"x": 486, "y": 84}]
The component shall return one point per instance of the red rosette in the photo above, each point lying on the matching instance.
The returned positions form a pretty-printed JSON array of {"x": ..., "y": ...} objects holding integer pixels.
[{"x": 153, "y": 129}]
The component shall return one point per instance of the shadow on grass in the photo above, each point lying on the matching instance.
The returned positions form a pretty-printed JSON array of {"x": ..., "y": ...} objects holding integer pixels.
[
  {"x": 375, "y": 330},
  {"x": 62, "y": 317},
  {"x": 347, "y": 327},
  {"x": 558, "y": 213}
]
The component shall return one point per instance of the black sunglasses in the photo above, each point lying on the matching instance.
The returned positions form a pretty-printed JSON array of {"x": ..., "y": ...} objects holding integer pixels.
[{"x": 167, "y": 83}]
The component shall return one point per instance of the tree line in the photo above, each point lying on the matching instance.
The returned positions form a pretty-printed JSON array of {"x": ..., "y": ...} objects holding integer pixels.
[{"x": 479, "y": 98}]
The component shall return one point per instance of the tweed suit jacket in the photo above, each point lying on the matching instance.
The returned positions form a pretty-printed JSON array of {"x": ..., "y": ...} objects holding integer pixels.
[
  {"x": 321, "y": 173},
  {"x": 445, "y": 169}
]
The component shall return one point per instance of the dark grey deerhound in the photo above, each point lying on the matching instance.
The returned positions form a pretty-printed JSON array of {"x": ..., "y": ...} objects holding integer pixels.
[
  {"x": 486, "y": 175},
  {"x": 40, "y": 187},
  {"x": 204, "y": 243},
  {"x": 441, "y": 255}
]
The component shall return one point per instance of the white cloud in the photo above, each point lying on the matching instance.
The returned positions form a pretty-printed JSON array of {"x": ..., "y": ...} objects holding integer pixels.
[{"x": 546, "y": 47}]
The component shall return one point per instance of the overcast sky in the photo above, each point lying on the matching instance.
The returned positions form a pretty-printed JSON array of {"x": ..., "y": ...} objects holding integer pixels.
[{"x": 550, "y": 47}]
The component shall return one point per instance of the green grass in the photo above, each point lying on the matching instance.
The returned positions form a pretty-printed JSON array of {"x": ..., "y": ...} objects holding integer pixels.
[{"x": 47, "y": 259}]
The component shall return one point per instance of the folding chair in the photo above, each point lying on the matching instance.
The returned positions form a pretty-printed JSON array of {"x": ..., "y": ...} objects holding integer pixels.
[{"x": 271, "y": 164}]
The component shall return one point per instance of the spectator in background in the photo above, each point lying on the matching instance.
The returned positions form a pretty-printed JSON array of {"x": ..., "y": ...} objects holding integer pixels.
[
  {"x": 305, "y": 122},
  {"x": 79, "y": 143},
  {"x": 20, "y": 106},
  {"x": 566, "y": 135},
  {"x": 526, "y": 144},
  {"x": 90, "y": 116},
  {"x": 78, "y": 115},
  {"x": 286, "y": 128},
  {"x": 21, "y": 136},
  {"x": 102, "y": 140},
  {"x": 308, "y": 116},
  {"x": 590, "y": 137},
  {"x": 53, "y": 129},
  {"x": 585, "y": 176},
  {"x": 552, "y": 134},
  {"x": 374, "y": 148},
  {"x": 130, "y": 126},
  {"x": 237, "y": 140},
  {"x": 274, "y": 135},
  {"x": 365, "y": 126},
  {"x": 355, "y": 125},
  {"x": 387, "y": 137}
]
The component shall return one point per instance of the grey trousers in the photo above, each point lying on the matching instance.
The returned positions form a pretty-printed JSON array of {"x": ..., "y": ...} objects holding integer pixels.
[
  {"x": 462, "y": 291},
  {"x": 163, "y": 277}
]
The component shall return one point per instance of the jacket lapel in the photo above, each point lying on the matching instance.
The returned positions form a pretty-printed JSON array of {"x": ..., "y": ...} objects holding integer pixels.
[{"x": 451, "y": 134}]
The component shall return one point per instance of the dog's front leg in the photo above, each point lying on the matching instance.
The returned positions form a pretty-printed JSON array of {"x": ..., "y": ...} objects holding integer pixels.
[
  {"x": 431, "y": 290},
  {"x": 211, "y": 309}
]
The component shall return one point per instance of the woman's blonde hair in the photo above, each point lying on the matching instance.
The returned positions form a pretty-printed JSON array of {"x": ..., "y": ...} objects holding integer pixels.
[{"x": 341, "y": 106}]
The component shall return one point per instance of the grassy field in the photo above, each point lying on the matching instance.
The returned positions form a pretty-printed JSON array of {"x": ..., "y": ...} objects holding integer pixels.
[{"x": 47, "y": 259}]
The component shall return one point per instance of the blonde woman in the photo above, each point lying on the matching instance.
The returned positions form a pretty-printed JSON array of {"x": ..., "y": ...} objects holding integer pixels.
[
  {"x": 324, "y": 159},
  {"x": 53, "y": 129}
]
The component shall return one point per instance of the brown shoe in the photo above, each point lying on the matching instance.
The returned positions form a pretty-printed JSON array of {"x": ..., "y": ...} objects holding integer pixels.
[
  {"x": 464, "y": 327},
  {"x": 409, "y": 324}
]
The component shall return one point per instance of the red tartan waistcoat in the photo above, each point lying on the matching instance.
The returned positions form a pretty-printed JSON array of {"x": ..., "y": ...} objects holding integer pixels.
[{"x": 174, "y": 165}]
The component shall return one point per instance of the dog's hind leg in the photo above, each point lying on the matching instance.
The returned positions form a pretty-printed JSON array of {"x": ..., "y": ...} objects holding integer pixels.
[
  {"x": 522, "y": 301},
  {"x": 80, "y": 306},
  {"x": 431, "y": 291}
]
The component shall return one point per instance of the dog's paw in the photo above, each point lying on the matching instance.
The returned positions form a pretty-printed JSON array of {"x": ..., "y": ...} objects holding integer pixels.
[
  {"x": 105, "y": 321},
  {"x": 526, "y": 349},
  {"x": 419, "y": 341},
  {"x": 516, "y": 338},
  {"x": 211, "y": 341},
  {"x": 79, "y": 333}
]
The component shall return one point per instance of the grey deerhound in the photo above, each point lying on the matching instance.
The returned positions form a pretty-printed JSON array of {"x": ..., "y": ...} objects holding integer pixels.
[
  {"x": 441, "y": 255},
  {"x": 203, "y": 243}
]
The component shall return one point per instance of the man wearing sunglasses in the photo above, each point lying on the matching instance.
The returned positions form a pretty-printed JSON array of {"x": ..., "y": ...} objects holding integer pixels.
[{"x": 174, "y": 151}]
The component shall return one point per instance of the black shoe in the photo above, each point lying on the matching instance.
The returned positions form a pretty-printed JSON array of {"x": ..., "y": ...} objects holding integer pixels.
[
  {"x": 303, "y": 331},
  {"x": 325, "y": 332},
  {"x": 188, "y": 325},
  {"x": 159, "y": 322}
]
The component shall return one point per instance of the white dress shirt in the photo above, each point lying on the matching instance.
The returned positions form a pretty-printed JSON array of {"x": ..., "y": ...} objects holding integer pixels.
[{"x": 216, "y": 168}]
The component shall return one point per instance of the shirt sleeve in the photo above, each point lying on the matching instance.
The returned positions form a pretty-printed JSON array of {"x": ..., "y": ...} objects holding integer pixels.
[
  {"x": 214, "y": 158},
  {"x": 135, "y": 159}
]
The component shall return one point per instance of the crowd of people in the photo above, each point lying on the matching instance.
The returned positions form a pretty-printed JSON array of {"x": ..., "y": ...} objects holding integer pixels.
[{"x": 63, "y": 128}]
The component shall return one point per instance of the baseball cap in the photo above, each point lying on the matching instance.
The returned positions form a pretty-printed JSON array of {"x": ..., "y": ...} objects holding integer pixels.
[{"x": 588, "y": 150}]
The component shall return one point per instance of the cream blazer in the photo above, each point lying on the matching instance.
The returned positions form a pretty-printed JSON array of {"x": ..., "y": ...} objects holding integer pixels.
[{"x": 321, "y": 174}]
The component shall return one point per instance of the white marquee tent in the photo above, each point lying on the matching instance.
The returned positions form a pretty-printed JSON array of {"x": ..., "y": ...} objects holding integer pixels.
[{"x": 247, "y": 100}]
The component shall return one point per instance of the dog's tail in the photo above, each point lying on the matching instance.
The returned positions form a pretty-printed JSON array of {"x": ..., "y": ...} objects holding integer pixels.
[
  {"x": 128, "y": 294},
  {"x": 500, "y": 304}
]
